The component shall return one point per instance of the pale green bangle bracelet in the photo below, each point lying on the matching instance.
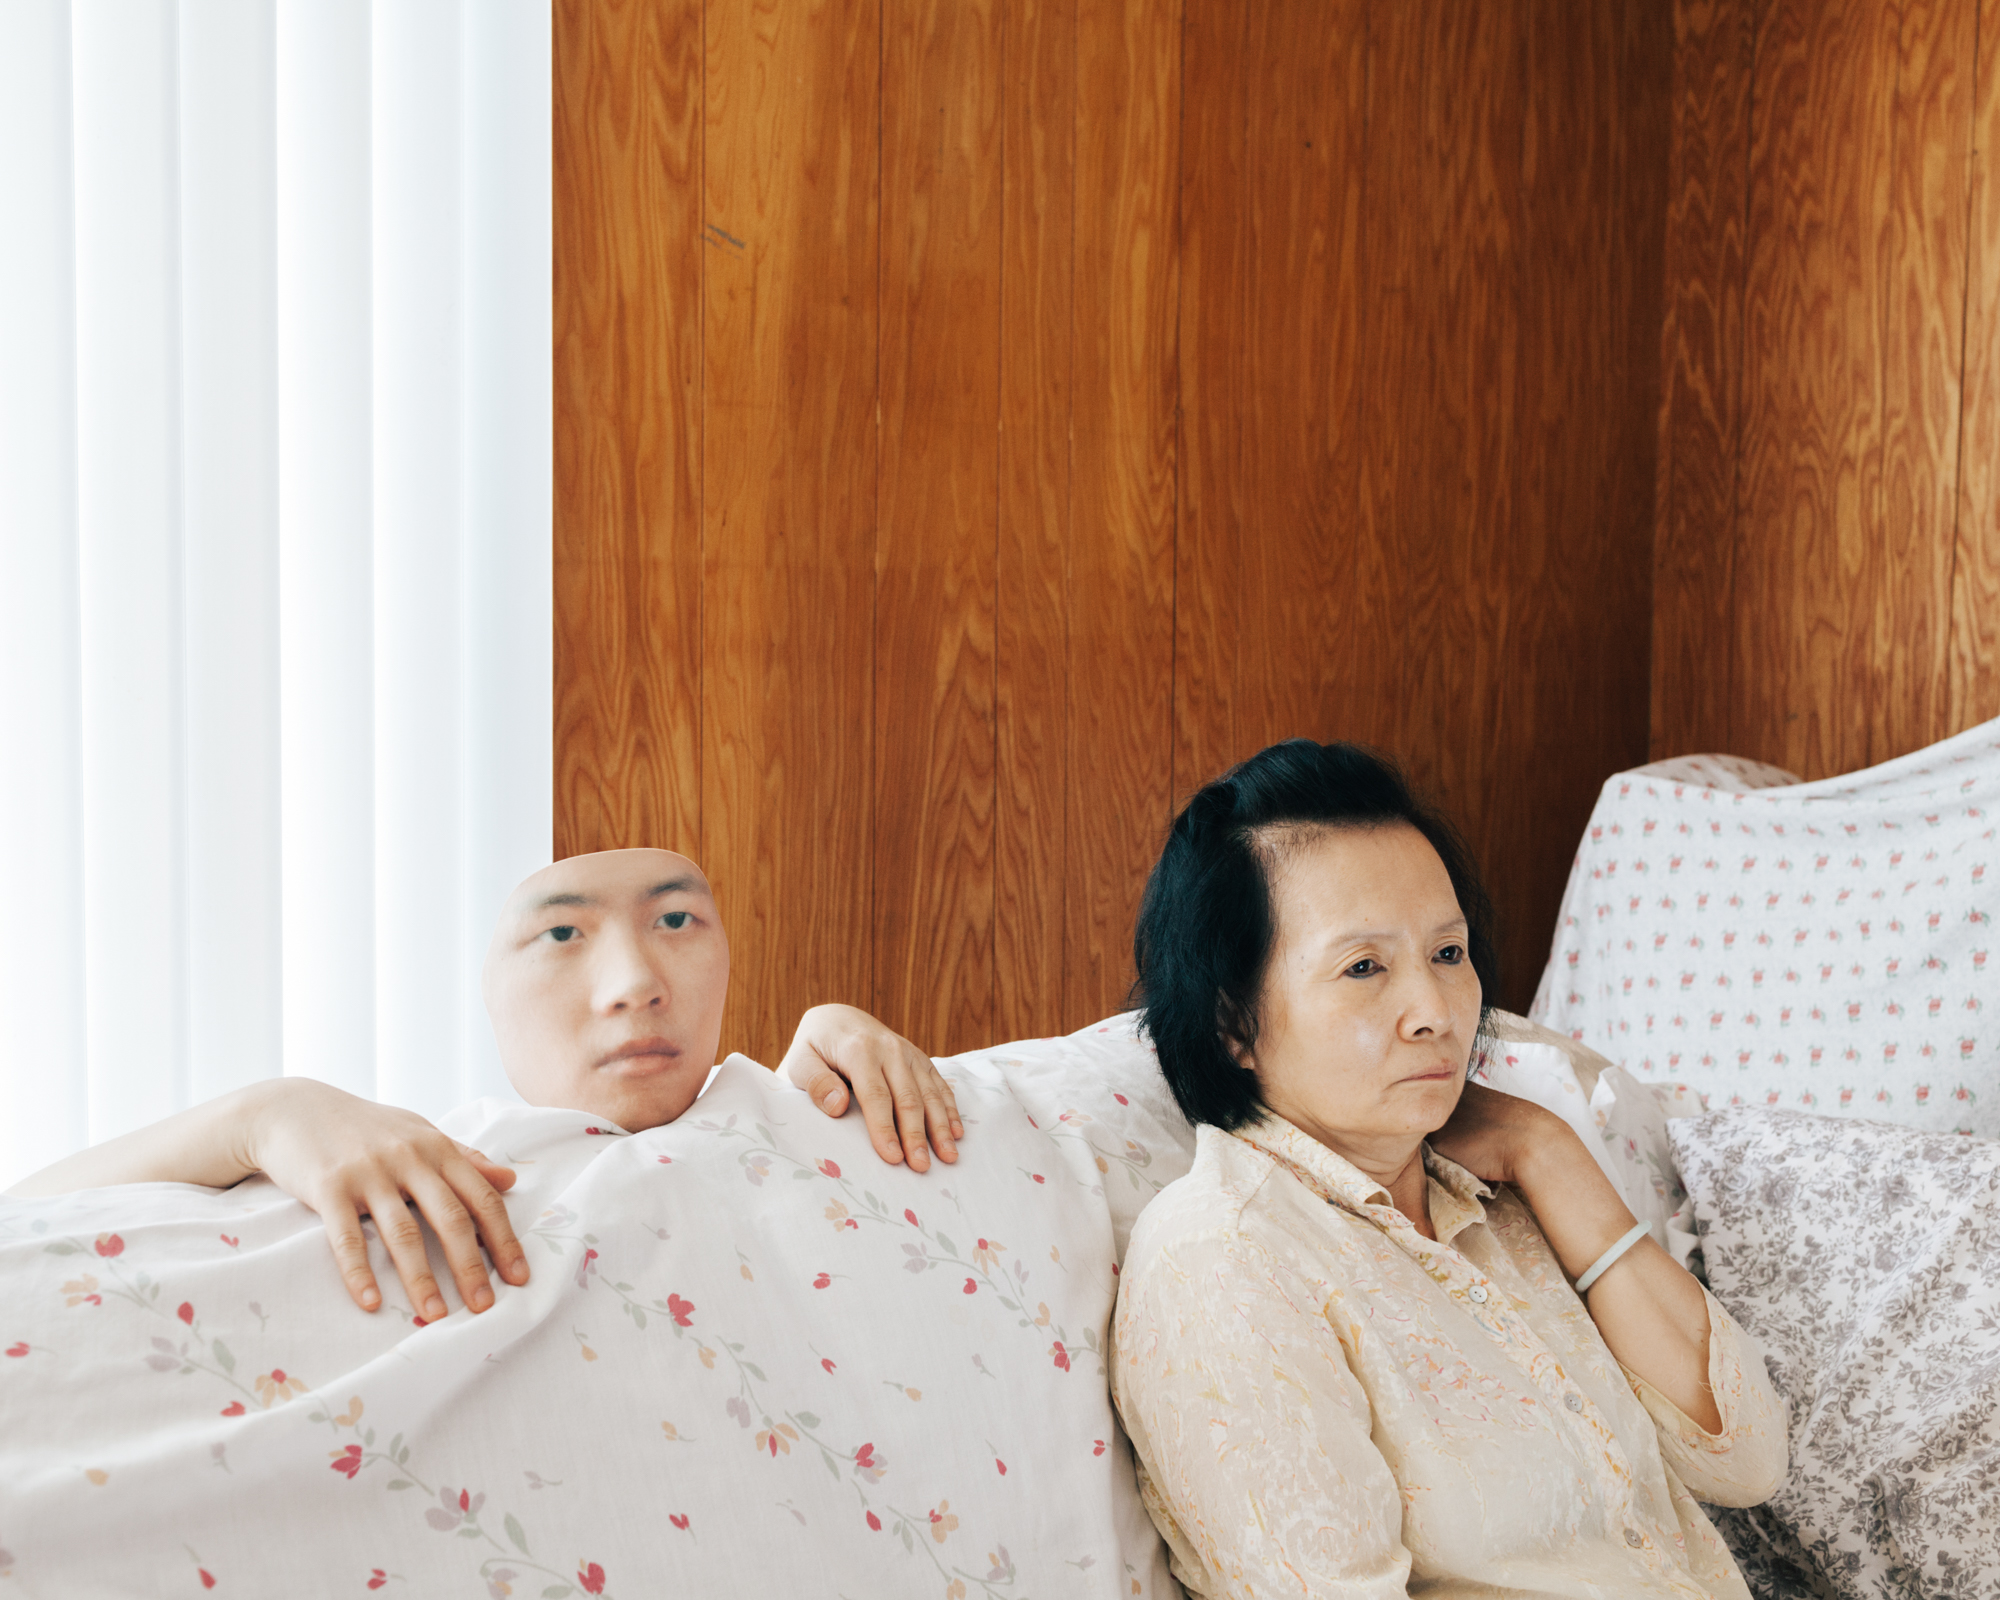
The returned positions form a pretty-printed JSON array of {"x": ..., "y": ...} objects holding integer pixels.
[{"x": 1609, "y": 1259}]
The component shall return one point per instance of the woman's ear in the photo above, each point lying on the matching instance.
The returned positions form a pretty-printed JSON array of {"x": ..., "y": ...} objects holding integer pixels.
[{"x": 1238, "y": 1034}]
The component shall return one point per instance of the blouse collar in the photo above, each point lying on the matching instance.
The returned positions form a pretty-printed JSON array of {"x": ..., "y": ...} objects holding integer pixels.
[{"x": 1455, "y": 1194}]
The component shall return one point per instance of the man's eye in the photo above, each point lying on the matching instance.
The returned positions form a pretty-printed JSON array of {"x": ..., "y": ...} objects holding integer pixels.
[
  {"x": 564, "y": 933},
  {"x": 1366, "y": 967},
  {"x": 1452, "y": 954},
  {"x": 676, "y": 919}
]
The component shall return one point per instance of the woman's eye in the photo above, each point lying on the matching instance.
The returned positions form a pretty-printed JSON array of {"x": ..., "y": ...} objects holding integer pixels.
[
  {"x": 676, "y": 919},
  {"x": 1452, "y": 954},
  {"x": 565, "y": 933},
  {"x": 1366, "y": 967}
]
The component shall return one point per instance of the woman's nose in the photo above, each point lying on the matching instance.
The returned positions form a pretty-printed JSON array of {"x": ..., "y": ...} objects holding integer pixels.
[{"x": 1426, "y": 1007}]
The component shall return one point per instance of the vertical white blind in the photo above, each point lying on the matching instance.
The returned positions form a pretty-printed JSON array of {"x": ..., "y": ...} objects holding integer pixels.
[{"x": 275, "y": 616}]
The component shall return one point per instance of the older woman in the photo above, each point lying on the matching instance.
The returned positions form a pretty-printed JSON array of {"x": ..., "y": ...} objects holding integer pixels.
[{"x": 1393, "y": 1334}]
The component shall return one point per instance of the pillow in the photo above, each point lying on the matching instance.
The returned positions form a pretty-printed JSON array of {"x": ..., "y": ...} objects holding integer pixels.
[
  {"x": 1866, "y": 1260},
  {"x": 747, "y": 1347},
  {"x": 1730, "y": 774},
  {"x": 1100, "y": 1092},
  {"x": 1818, "y": 946}
]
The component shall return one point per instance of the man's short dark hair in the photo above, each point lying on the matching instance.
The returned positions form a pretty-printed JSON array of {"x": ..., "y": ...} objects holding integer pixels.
[{"x": 1206, "y": 925}]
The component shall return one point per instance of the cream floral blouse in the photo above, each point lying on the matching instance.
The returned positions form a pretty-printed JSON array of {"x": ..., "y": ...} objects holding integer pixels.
[{"x": 1325, "y": 1402}]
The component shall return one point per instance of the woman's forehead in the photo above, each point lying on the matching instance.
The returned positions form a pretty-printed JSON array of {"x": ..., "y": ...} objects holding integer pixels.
[{"x": 1385, "y": 877}]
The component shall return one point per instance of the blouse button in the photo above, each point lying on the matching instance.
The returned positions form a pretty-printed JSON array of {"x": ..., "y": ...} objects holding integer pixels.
[
  {"x": 1575, "y": 1403},
  {"x": 1634, "y": 1537},
  {"x": 1477, "y": 1294}
]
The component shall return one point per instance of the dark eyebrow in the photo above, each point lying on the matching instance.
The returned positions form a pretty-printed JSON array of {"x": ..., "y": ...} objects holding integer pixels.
[
  {"x": 1356, "y": 935},
  {"x": 680, "y": 885}
]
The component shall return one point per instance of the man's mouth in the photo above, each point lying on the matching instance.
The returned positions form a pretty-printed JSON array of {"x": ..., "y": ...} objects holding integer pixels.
[{"x": 643, "y": 1054}]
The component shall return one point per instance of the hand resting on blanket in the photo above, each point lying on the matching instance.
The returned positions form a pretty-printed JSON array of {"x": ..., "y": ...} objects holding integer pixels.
[{"x": 605, "y": 983}]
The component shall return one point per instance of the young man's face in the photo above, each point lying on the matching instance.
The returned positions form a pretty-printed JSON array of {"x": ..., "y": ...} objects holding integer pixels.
[{"x": 605, "y": 982}]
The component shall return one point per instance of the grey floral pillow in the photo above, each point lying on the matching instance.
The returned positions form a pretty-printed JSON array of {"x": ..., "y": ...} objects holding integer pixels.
[{"x": 1866, "y": 1260}]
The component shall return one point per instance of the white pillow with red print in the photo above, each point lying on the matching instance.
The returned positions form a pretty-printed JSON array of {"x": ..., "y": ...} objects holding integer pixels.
[{"x": 1816, "y": 946}]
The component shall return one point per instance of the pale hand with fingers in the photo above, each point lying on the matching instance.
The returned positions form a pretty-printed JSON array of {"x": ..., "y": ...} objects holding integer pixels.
[
  {"x": 842, "y": 1054},
  {"x": 345, "y": 1157}
]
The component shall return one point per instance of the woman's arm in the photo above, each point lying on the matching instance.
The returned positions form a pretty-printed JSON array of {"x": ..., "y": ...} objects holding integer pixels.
[
  {"x": 1652, "y": 1313},
  {"x": 1743, "y": 1462}
]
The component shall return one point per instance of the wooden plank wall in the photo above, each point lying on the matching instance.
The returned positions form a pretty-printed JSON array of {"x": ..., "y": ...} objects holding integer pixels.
[
  {"x": 1827, "y": 581},
  {"x": 981, "y": 421}
]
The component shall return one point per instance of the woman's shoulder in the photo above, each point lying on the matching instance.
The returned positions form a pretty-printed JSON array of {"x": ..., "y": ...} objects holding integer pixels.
[{"x": 1201, "y": 1214}]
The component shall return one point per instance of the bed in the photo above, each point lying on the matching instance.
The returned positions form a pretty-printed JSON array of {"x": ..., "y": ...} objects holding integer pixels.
[{"x": 751, "y": 1356}]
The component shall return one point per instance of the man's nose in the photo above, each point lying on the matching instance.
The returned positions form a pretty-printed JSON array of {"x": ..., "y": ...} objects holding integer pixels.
[{"x": 626, "y": 977}]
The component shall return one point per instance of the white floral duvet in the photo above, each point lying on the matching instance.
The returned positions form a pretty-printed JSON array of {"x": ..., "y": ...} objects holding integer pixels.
[{"x": 752, "y": 1359}]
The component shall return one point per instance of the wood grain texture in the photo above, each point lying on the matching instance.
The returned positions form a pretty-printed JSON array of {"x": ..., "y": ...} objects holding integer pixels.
[
  {"x": 627, "y": 140},
  {"x": 1127, "y": 185},
  {"x": 982, "y": 421},
  {"x": 1973, "y": 677},
  {"x": 1812, "y": 449},
  {"x": 1922, "y": 379},
  {"x": 936, "y": 552},
  {"x": 1313, "y": 598},
  {"x": 1419, "y": 313},
  {"x": 1031, "y": 607},
  {"x": 1440, "y": 426},
  {"x": 1701, "y": 362},
  {"x": 789, "y": 503},
  {"x": 1571, "y": 666},
  {"x": 1211, "y": 608},
  {"x": 1842, "y": 568},
  {"x": 1280, "y": 611},
  {"x": 1859, "y": 549},
  {"x": 1307, "y": 395}
]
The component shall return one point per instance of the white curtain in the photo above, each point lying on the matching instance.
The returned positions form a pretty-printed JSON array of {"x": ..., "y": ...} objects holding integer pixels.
[{"x": 275, "y": 614}]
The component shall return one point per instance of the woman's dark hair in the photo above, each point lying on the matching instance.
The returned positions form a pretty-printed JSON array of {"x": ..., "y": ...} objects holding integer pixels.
[{"x": 1206, "y": 925}]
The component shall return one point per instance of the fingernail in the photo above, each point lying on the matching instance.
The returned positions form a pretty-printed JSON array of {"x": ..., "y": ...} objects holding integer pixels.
[
  {"x": 517, "y": 1270},
  {"x": 370, "y": 1299},
  {"x": 433, "y": 1308},
  {"x": 482, "y": 1297}
]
